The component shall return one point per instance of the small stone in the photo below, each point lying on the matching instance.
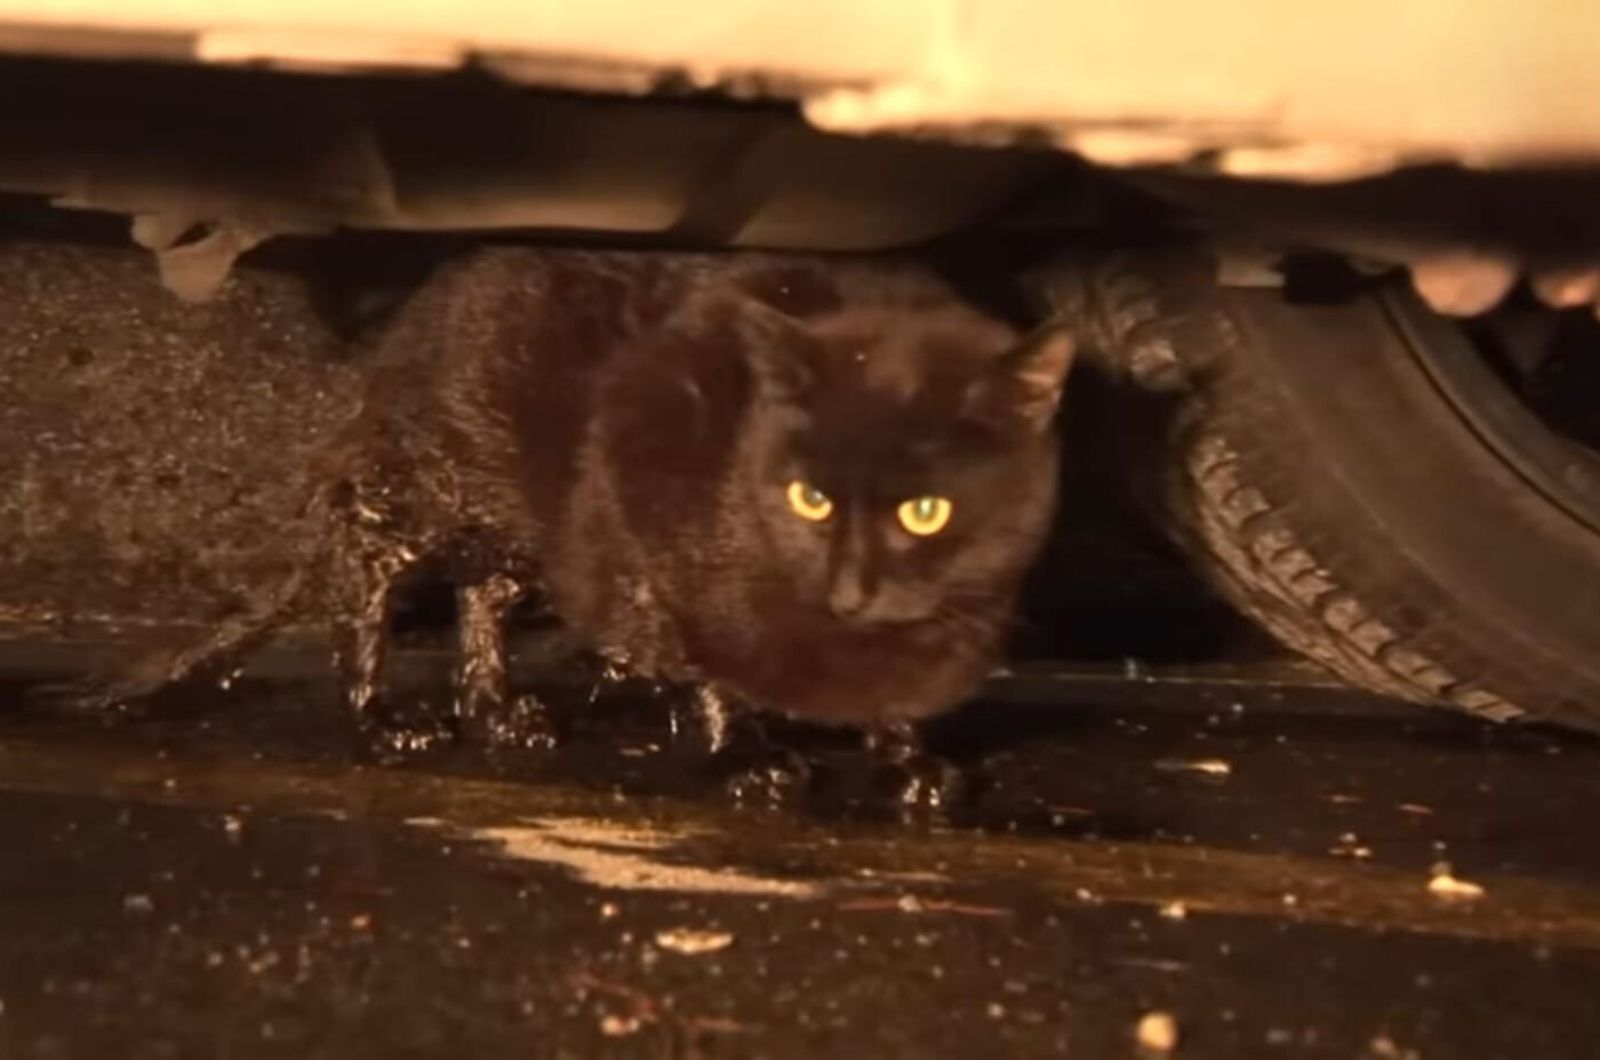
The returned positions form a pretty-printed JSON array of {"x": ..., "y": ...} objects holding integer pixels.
[
  {"x": 1211, "y": 767},
  {"x": 1446, "y": 885},
  {"x": 609, "y": 911},
  {"x": 692, "y": 942},
  {"x": 1383, "y": 1047},
  {"x": 361, "y": 921},
  {"x": 910, "y": 903},
  {"x": 1157, "y": 1032},
  {"x": 619, "y": 1026},
  {"x": 1175, "y": 911},
  {"x": 1349, "y": 846},
  {"x": 996, "y": 1010},
  {"x": 138, "y": 903}
]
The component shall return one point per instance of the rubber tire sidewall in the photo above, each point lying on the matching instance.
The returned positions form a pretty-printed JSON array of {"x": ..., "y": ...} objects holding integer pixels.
[{"x": 1339, "y": 497}]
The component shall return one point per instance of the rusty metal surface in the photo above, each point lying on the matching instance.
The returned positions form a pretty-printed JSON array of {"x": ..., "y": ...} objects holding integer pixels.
[
  {"x": 1247, "y": 87},
  {"x": 265, "y": 155}
]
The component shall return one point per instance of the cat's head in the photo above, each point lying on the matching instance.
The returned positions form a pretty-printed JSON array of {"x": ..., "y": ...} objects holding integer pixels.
[{"x": 899, "y": 455}]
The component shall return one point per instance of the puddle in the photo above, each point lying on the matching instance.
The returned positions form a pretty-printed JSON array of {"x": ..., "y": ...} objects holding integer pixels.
[{"x": 622, "y": 857}]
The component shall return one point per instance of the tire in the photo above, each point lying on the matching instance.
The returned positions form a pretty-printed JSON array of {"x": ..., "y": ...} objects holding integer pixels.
[{"x": 1354, "y": 478}]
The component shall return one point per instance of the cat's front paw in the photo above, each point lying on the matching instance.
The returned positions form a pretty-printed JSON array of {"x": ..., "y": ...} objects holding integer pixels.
[
  {"x": 928, "y": 787},
  {"x": 391, "y": 732},
  {"x": 770, "y": 777},
  {"x": 703, "y": 718},
  {"x": 925, "y": 786},
  {"x": 520, "y": 724},
  {"x": 753, "y": 770}
]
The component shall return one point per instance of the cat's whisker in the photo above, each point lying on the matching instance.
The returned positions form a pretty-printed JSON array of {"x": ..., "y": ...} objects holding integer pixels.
[
  {"x": 980, "y": 628},
  {"x": 979, "y": 609}
]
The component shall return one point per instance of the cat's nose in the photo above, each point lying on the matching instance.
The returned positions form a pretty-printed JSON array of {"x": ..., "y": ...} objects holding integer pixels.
[{"x": 847, "y": 598}]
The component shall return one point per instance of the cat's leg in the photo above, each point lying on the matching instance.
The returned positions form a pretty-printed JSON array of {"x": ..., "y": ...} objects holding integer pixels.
[
  {"x": 928, "y": 784},
  {"x": 367, "y": 565},
  {"x": 755, "y": 769},
  {"x": 483, "y": 701},
  {"x": 363, "y": 588},
  {"x": 705, "y": 718}
]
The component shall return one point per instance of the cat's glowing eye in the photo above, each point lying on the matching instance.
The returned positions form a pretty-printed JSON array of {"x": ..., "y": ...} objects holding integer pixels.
[
  {"x": 808, "y": 502},
  {"x": 925, "y": 516}
]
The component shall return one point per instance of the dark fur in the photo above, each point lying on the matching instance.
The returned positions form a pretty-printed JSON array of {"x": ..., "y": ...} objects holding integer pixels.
[{"x": 616, "y": 430}]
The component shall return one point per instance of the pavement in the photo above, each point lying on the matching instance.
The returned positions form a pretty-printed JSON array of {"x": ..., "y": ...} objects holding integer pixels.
[{"x": 1262, "y": 863}]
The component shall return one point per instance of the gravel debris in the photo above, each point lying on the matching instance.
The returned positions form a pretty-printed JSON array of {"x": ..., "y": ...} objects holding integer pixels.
[
  {"x": 692, "y": 942},
  {"x": 1157, "y": 1032}
]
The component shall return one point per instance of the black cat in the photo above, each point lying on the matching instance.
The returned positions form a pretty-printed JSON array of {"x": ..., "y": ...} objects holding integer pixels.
[{"x": 810, "y": 486}]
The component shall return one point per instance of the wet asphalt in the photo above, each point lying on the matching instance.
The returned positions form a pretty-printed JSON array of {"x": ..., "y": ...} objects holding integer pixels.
[{"x": 1246, "y": 850}]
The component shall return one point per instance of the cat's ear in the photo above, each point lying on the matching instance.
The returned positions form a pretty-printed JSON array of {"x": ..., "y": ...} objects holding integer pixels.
[{"x": 1022, "y": 389}]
